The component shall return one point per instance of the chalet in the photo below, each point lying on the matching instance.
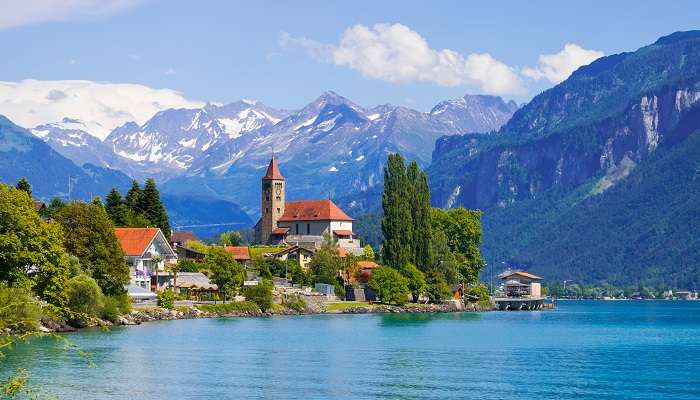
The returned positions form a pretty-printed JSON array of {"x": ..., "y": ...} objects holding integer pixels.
[
  {"x": 300, "y": 254},
  {"x": 300, "y": 223},
  {"x": 240, "y": 254},
  {"x": 141, "y": 246},
  {"x": 521, "y": 284}
]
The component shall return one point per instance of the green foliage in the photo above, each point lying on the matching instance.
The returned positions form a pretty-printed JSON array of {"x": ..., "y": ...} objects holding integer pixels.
[
  {"x": 19, "y": 311},
  {"x": 153, "y": 207},
  {"x": 389, "y": 285},
  {"x": 166, "y": 299},
  {"x": 436, "y": 287},
  {"x": 260, "y": 294},
  {"x": 117, "y": 210},
  {"x": 231, "y": 238},
  {"x": 397, "y": 226},
  {"x": 326, "y": 263},
  {"x": 368, "y": 252},
  {"x": 185, "y": 265},
  {"x": 296, "y": 303},
  {"x": 54, "y": 207},
  {"x": 462, "y": 230},
  {"x": 230, "y": 308},
  {"x": 31, "y": 250},
  {"x": 198, "y": 246},
  {"x": 479, "y": 294},
  {"x": 115, "y": 306},
  {"x": 444, "y": 261},
  {"x": 89, "y": 235},
  {"x": 226, "y": 273},
  {"x": 419, "y": 200},
  {"x": 23, "y": 185},
  {"x": 84, "y": 296},
  {"x": 369, "y": 228},
  {"x": 297, "y": 273},
  {"x": 416, "y": 280}
]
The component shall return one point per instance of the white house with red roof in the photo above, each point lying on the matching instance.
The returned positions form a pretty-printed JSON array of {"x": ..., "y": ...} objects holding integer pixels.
[
  {"x": 141, "y": 246},
  {"x": 300, "y": 222}
]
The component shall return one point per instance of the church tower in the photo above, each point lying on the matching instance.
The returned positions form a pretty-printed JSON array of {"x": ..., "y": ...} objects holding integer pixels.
[{"x": 273, "y": 199}]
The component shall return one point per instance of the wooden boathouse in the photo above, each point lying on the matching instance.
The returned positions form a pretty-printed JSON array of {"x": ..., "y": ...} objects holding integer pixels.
[{"x": 520, "y": 291}]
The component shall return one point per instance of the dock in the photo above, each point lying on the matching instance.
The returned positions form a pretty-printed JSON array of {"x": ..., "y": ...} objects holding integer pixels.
[{"x": 520, "y": 303}]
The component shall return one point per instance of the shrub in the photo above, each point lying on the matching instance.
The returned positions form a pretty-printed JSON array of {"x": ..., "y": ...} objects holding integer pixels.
[
  {"x": 436, "y": 287},
  {"x": 84, "y": 296},
  {"x": 390, "y": 285},
  {"x": 19, "y": 310},
  {"x": 115, "y": 306},
  {"x": 296, "y": 303},
  {"x": 479, "y": 294},
  {"x": 166, "y": 299},
  {"x": 260, "y": 294}
]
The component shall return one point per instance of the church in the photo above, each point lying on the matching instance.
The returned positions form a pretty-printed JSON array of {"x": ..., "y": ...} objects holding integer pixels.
[{"x": 301, "y": 223}]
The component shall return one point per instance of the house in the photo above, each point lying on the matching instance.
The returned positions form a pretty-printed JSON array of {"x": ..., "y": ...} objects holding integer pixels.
[
  {"x": 141, "y": 246},
  {"x": 521, "y": 284},
  {"x": 240, "y": 253},
  {"x": 179, "y": 238},
  {"x": 189, "y": 254},
  {"x": 300, "y": 222},
  {"x": 39, "y": 206},
  {"x": 300, "y": 254}
]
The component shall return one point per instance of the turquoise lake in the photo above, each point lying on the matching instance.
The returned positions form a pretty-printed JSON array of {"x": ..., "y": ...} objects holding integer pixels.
[{"x": 581, "y": 350}]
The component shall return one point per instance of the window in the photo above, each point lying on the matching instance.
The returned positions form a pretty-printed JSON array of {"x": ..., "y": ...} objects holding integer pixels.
[
  {"x": 278, "y": 210},
  {"x": 267, "y": 210},
  {"x": 296, "y": 228},
  {"x": 308, "y": 229}
]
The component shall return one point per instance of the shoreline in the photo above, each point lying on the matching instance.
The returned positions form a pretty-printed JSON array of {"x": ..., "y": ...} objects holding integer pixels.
[{"x": 153, "y": 314}]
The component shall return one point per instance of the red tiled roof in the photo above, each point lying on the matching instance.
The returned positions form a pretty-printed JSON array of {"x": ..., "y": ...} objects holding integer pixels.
[
  {"x": 38, "y": 205},
  {"x": 273, "y": 172},
  {"x": 135, "y": 241},
  {"x": 343, "y": 233},
  {"x": 182, "y": 237},
  {"x": 523, "y": 274},
  {"x": 368, "y": 264},
  {"x": 280, "y": 230},
  {"x": 238, "y": 252},
  {"x": 313, "y": 210}
]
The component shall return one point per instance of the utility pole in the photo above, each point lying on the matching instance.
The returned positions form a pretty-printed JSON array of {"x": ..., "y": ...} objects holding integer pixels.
[{"x": 69, "y": 188}]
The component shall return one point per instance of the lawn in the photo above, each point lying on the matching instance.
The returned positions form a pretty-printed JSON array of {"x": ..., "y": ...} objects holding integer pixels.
[
  {"x": 259, "y": 250},
  {"x": 342, "y": 305}
]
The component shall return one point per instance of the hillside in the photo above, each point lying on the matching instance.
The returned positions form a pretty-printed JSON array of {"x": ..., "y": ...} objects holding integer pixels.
[{"x": 574, "y": 150}]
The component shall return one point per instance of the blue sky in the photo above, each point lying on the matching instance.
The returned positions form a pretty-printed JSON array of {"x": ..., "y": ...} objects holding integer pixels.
[{"x": 227, "y": 50}]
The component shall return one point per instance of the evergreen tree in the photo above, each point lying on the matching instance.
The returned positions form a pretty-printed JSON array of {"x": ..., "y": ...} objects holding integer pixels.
[
  {"x": 116, "y": 208},
  {"x": 97, "y": 201},
  {"x": 153, "y": 207},
  {"x": 419, "y": 198},
  {"x": 397, "y": 224},
  {"x": 133, "y": 197},
  {"x": 23, "y": 184}
]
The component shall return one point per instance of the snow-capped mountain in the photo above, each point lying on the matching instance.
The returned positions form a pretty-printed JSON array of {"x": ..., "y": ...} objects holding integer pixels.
[{"x": 332, "y": 146}]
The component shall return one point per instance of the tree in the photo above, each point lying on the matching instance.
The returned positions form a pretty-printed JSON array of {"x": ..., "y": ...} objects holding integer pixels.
[
  {"x": 226, "y": 273},
  {"x": 187, "y": 265},
  {"x": 397, "y": 224},
  {"x": 232, "y": 238},
  {"x": 31, "y": 249},
  {"x": 156, "y": 260},
  {"x": 436, "y": 288},
  {"x": 84, "y": 296},
  {"x": 116, "y": 208},
  {"x": 54, "y": 207},
  {"x": 89, "y": 235},
  {"x": 415, "y": 279},
  {"x": 419, "y": 198},
  {"x": 153, "y": 207},
  {"x": 326, "y": 262},
  {"x": 462, "y": 232},
  {"x": 368, "y": 252},
  {"x": 297, "y": 274},
  {"x": 198, "y": 246},
  {"x": 444, "y": 261},
  {"x": 23, "y": 184},
  {"x": 390, "y": 286},
  {"x": 133, "y": 197}
]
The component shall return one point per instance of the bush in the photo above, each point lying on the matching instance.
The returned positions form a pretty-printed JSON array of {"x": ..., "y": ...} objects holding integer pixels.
[
  {"x": 479, "y": 294},
  {"x": 166, "y": 299},
  {"x": 229, "y": 308},
  {"x": 296, "y": 303},
  {"x": 19, "y": 310},
  {"x": 260, "y": 294},
  {"x": 390, "y": 286},
  {"x": 436, "y": 287},
  {"x": 115, "y": 306},
  {"x": 84, "y": 296}
]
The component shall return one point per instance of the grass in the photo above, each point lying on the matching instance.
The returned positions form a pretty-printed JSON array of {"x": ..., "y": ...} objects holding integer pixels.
[
  {"x": 259, "y": 250},
  {"x": 342, "y": 305}
]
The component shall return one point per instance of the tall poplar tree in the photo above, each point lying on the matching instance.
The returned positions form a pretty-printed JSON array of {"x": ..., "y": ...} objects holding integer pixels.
[
  {"x": 419, "y": 198},
  {"x": 153, "y": 207},
  {"x": 397, "y": 224}
]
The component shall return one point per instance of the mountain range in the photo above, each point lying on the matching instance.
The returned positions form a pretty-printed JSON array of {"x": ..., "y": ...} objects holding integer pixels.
[
  {"x": 595, "y": 179},
  {"x": 330, "y": 147}
]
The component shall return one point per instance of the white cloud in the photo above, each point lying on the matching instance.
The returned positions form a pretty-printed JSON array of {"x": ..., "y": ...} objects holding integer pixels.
[
  {"x": 17, "y": 13},
  {"x": 395, "y": 53},
  {"x": 557, "y": 67},
  {"x": 102, "y": 106},
  {"x": 170, "y": 71}
]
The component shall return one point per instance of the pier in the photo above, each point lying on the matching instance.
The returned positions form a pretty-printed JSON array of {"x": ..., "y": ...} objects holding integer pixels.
[{"x": 520, "y": 303}]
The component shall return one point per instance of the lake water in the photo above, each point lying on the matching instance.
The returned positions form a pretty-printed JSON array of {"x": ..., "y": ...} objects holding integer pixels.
[{"x": 582, "y": 350}]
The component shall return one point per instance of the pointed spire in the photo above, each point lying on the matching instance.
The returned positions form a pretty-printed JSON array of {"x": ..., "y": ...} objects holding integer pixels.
[{"x": 273, "y": 172}]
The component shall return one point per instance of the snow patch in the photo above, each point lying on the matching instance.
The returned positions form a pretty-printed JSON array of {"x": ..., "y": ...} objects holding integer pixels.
[
  {"x": 333, "y": 169},
  {"x": 374, "y": 116}
]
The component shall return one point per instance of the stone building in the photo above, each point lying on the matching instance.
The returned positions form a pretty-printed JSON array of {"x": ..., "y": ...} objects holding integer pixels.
[{"x": 303, "y": 223}]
